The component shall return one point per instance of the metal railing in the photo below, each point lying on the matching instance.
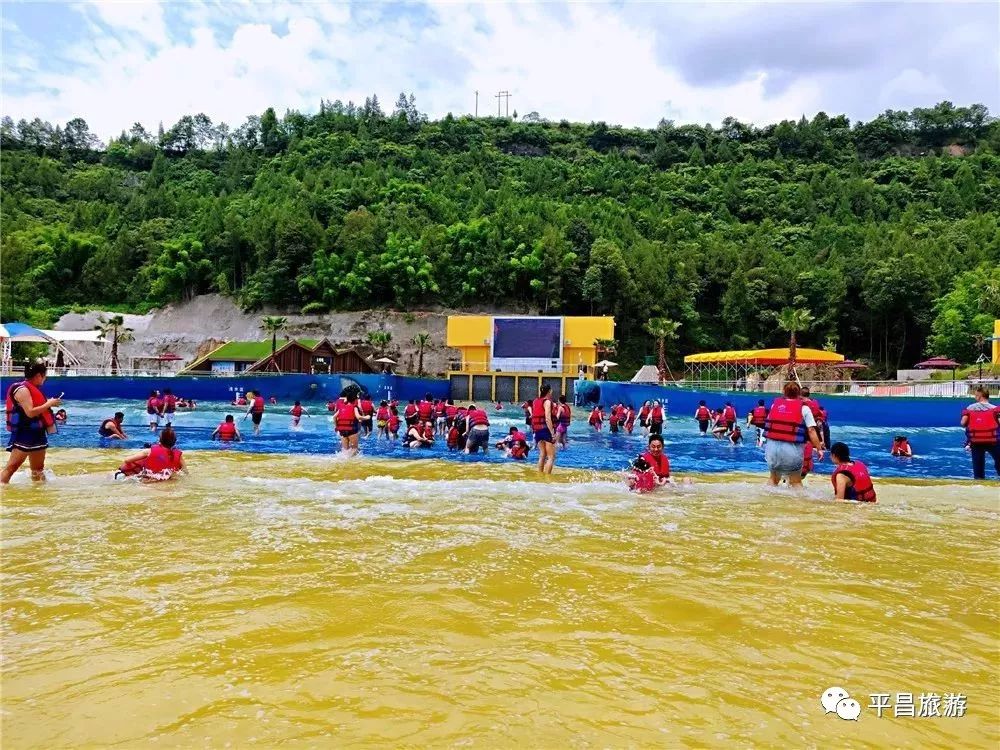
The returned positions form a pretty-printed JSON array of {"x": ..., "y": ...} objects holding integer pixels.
[
  {"x": 125, "y": 372},
  {"x": 530, "y": 368},
  {"x": 927, "y": 388}
]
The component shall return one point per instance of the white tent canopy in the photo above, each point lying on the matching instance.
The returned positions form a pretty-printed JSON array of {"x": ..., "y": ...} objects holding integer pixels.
[{"x": 61, "y": 336}]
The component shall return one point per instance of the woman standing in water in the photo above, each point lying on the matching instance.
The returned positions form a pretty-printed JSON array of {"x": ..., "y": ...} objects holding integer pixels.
[{"x": 30, "y": 421}]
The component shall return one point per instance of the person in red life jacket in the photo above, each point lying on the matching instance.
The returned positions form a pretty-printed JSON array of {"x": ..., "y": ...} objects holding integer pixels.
[
  {"x": 382, "y": 420},
  {"x": 156, "y": 463},
  {"x": 462, "y": 424},
  {"x": 256, "y": 410},
  {"x": 227, "y": 431},
  {"x": 169, "y": 401},
  {"x": 613, "y": 418},
  {"x": 240, "y": 400},
  {"x": 788, "y": 427},
  {"x": 515, "y": 445},
  {"x": 658, "y": 463},
  {"x": 452, "y": 439},
  {"x": 367, "y": 410},
  {"x": 410, "y": 413},
  {"x": 729, "y": 415},
  {"x": 720, "y": 427},
  {"x": 30, "y": 422},
  {"x": 544, "y": 428},
  {"x": 563, "y": 419},
  {"x": 640, "y": 478},
  {"x": 296, "y": 411},
  {"x": 851, "y": 480},
  {"x": 736, "y": 436},
  {"x": 629, "y": 419},
  {"x": 596, "y": 418},
  {"x": 153, "y": 408},
  {"x": 817, "y": 412},
  {"x": 392, "y": 425},
  {"x": 981, "y": 421},
  {"x": 478, "y": 434},
  {"x": 331, "y": 405},
  {"x": 498, "y": 406},
  {"x": 450, "y": 412},
  {"x": 60, "y": 416},
  {"x": 347, "y": 421},
  {"x": 656, "y": 417},
  {"x": 441, "y": 414},
  {"x": 111, "y": 429},
  {"x": 756, "y": 418},
  {"x": 703, "y": 416},
  {"x": 418, "y": 437},
  {"x": 644, "y": 416},
  {"x": 901, "y": 447},
  {"x": 425, "y": 409}
]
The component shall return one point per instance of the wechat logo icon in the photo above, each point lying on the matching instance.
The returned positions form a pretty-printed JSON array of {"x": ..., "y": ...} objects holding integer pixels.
[{"x": 837, "y": 700}]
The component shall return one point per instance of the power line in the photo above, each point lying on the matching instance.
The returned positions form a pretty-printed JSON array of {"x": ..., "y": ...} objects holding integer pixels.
[{"x": 505, "y": 95}]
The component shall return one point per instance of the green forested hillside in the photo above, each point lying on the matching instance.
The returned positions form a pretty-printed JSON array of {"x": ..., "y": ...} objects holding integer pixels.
[{"x": 887, "y": 231}]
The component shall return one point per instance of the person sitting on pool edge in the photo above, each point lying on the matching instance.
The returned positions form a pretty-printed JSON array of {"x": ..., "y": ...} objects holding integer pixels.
[
  {"x": 851, "y": 480},
  {"x": 227, "y": 431},
  {"x": 901, "y": 447},
  {"x": 112, "y": 428}
]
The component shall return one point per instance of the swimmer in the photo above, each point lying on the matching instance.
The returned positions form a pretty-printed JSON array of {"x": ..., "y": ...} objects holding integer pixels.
[
  {"x": 702, "y": 415},
  {"x": 153, "y": 408},
  {"x": 410, "y": 413},
  {"x": 61, "y": 416},
  {"x": 564, "y": 415},
  {"x": 425, "y": 409},
  {"x": 720, "y": 428},
  {"x": 392, "y": 425},
  {"x": 256, "y": 410},
  {"x": 901, "y": 447},
  {"x": 736, "y": 436},
  {"x": 450, "y": 412},
  {"x": 227, "y": 431},
  {"x": 656, "y": 417},
  {"x": 157, "y": 463},
  {"x": 658, "y": 472},
  {"x": 729, "y": 415},
  {"x": 596, "y": 419},
  {"x": 629, "y": 423},
  {"x": 296, "y": 411},
  {"x": 273, "y": 401},
  {"x": 851, "y": 480},
  {"x": 420, "y": 435},
  {"x": 347, "y": 422},
  {"x": 441, "y": 417},
  {"x": 478, "y": 425},
  {"x": 112, "y": 427},
  {"x": 382, "y": 420},
  {"x": 756, "y": 418},
  {"x": 367, "y": 410},
  {"x": 169, "y": 406},
  {"x": 515, "y": 445},
  {"x": 498, "y": 406},
  {"x": 644, "y": 416},
  {"x": 452, "y": 439},
  {"x": 614, "y": 418}
]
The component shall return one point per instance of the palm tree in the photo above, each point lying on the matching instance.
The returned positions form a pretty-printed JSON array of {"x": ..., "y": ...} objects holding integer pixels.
[
  {"x": 662, "y": 329},
  {"x": 421, "y": 340},
  {"x": 606, "y": 346},
  {"x": 115, "y": 327},
  {"x": 794, "y": 320},
  {"x": 379, "y": 341},
  {"x": 273, "y": 324}
]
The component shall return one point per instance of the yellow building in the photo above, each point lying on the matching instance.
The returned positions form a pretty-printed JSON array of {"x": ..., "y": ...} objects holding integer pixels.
[
  {"x": 509, "y": 357},
  {"x": 996, "y": 342}
]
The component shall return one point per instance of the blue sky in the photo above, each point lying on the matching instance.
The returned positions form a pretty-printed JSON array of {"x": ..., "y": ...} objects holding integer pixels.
[{"x": 115, "y": 63}]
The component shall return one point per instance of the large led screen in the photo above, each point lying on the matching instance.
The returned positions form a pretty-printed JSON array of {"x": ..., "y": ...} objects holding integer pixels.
[{"x": 527, "y": 343}]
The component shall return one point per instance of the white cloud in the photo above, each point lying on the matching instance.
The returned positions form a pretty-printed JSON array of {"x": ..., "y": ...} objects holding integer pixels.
[{"x": 581, "y": 61}]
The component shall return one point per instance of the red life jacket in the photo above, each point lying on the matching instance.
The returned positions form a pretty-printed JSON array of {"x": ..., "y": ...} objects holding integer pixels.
[
  {"x": 982, "y": 425},
  {"x": 393, "y": 422},
  {"x": 784, "y": 421},
  {"x": 517, "y": 435},
  {"x": 169, "y": 403},
  {"x": 429, "y": 432},
  {"x": 661, "y": 467},
  {"x": 596, "y": 417},
  {"x": 814, "y": 407},
  {"x": 346, "y": 417},
  {"x": 643, "y": 481},
  {"x": 227, "y": 431},
  {"x": 758, "y": 415},
  {"x": 425, "y": 410},
  {"x": 450, "y": 411},
  {"x": 538, "y": 413},
  {"x": 331, "y": 405},
  {"x": 442, "y": 410},
  {"x": 630, "y": 418},
  {"x": 565, "y": 414},
  {"x": 453, "y": 437},
  {"x": 901, "y": 448},
  {"x": 643, "y": 413},
  {"x": 702, "y": 414},
  {"x": 258, "y": 405},
  {"x": 518, "y": 450},
  {"x": 410, "y": 411},
  {"x": 15, "y": 413},
  {"x": 861, "y": 488},
  {"x": 161, "y": 459},
  {"x": 729, "y": 414},
  {"x": 367, "y": 407},
  {"x": 478, "y": 417},
  {"x": 656, "y": 415},
  {"x": 296, "y": 411},
  {"x": 382, "y": 414},
  {"x": 153, "y": 405}
]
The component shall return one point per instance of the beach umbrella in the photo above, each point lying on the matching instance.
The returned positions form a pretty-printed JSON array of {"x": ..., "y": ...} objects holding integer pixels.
[
  {"x": 940, "y": 363},
  {"x": 607, "y": 363},
  {"x": 385, "y": 361},
  {"x": 166, "y": 357}
]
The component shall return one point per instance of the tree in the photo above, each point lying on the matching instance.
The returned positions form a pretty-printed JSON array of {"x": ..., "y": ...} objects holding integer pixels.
[
  {"x": 379, "y": 341},
  {"x": 606, "y": 347},
  {"x": 273, "y": 325},
  {"x": 793, "y": 320},
  {"x": 421, "y": 340},
  {"x": 663, "y": 330},
  {"x": 115, "y": 327}
]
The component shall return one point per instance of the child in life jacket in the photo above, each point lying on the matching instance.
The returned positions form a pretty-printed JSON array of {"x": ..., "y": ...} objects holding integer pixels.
[
  {"x": 392, "y": 424},
  {"x": 227, "y": 431},
  {"x": 157, "y": 463},
  {"x": 515, "y": 445},
  {"x": 651, "y": 469},
  {"x": 901, "y": 447},
  {"x": 296, "y": 411},
  {"x": 452, "y": 439}
]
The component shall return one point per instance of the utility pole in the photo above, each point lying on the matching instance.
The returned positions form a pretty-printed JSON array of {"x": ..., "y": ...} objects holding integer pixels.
[
  {"x": 477, "y": 104},
  {"x": 505, "y": 95}
]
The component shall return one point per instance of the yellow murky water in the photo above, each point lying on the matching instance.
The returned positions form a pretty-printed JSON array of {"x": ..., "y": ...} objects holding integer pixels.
[{"x": 274, "y": 600}]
